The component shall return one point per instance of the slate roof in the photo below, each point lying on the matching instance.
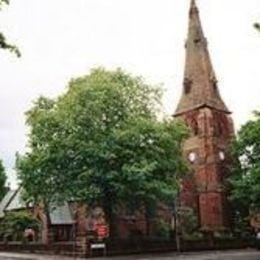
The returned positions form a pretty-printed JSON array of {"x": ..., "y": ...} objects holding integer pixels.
[
  {"x": 5, "y": 201},
  {"x": 16, "y": 202},
  {"x": 59, "y": 215}
]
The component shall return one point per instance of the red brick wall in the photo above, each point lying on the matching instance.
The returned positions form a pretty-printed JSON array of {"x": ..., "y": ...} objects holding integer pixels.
[{"x": 211, "y": 133}]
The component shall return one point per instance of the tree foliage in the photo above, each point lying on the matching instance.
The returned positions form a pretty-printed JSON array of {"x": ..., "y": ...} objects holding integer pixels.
[
  {"x": 15, "y": 223},
  {"x": 3, "y": 2},
  {"x": 3, "y": 42},
  {"x": 257, "y": 26},
  {"x": 3, "y": 178},
  {"x": 101, "y": 143},
  {"x": 246, "y": 176}
]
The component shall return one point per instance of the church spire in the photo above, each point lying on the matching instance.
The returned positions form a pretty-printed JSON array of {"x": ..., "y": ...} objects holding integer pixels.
[{"x": 200, "y": 84}]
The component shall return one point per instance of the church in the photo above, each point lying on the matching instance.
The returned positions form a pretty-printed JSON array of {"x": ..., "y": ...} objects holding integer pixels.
[{"x": 205, "y": 189}]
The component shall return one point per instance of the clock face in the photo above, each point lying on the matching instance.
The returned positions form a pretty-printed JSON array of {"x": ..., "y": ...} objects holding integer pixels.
[
  {"x": 192, "y": 157},
  {"x": 221, "y": 155}
]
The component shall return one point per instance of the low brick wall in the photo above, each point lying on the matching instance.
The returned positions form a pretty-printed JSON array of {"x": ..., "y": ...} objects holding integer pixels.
[
  {"x": 118, "y": 247},
  {"x": 216, "y": 244},
  {"x": 123, "y": 247},
  {"x": 63, "y": 248}
]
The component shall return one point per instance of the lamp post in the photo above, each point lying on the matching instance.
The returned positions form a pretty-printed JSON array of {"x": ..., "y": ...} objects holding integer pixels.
[
  {"x": 176, "y": 210},
  {"x": 177, "y": 222}
]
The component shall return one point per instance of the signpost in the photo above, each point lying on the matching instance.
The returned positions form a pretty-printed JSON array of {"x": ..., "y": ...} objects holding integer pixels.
[{"x": 102, "y": 231}]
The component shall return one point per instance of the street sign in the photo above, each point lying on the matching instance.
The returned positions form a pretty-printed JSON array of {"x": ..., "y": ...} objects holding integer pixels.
[
  {"x": 98, "y": 246},
  {"x": 102, "y": 231}
]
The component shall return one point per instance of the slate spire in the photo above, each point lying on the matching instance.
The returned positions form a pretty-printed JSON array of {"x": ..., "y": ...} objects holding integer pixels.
[{"x": 200, "y": 88}]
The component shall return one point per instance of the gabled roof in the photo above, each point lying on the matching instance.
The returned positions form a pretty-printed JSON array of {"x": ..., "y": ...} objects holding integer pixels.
[
  {"x": 13, "y": 201},
  {"x": 17, "y": 202},
  {"x": 61, "y": 215},
  {"x": 5, "y": 201}
]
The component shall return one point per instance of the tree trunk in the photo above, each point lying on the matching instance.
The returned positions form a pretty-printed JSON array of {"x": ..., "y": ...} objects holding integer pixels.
[{"x": 110, "y": 219}]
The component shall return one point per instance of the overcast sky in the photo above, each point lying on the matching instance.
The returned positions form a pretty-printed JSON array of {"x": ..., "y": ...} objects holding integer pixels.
[{"x": 61, "y": 39}]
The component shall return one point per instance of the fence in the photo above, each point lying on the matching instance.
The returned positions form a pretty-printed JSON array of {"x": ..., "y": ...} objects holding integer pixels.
[{"x": 122, "y": 247}]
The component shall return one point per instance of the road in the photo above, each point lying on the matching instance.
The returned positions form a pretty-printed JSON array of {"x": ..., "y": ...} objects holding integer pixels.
[
  {"x": 213, "y": 255},
  {"x": 217, "y": 255}
]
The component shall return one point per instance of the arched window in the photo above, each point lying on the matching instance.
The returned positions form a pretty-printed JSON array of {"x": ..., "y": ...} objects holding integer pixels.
[
  {"x": 221, "y": 127},
  {"x": 187, "y": 85},
  {"x": 197, "y": 40},
  {"x": 219, "y": 131},
  {"x": 194, "y": 126}
]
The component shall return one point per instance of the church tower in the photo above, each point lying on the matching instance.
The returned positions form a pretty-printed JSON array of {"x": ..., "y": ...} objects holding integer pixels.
[{"x": 203, "y": 110}]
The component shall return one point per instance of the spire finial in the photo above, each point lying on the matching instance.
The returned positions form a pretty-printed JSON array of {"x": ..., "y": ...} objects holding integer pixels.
[
  {"x": 193, "y": 6},
  {"x": 193, "y": 3}
]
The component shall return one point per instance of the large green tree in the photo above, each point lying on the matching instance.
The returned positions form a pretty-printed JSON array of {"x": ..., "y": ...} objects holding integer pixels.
[
  {"x": 101, "y": 143},
  {"x": 3, "y": 42},
  {"x": 246, "y": 177}
]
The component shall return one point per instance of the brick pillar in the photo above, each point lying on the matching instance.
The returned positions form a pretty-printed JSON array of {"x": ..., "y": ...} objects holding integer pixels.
[{"x": 82, "y": 244}]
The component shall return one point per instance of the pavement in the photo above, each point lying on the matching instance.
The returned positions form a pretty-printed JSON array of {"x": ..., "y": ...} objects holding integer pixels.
[{"x": 211, "y": 255}]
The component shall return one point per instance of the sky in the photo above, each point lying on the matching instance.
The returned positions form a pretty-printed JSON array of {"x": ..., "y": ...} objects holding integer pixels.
[{"x": 64, "y": 39}]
